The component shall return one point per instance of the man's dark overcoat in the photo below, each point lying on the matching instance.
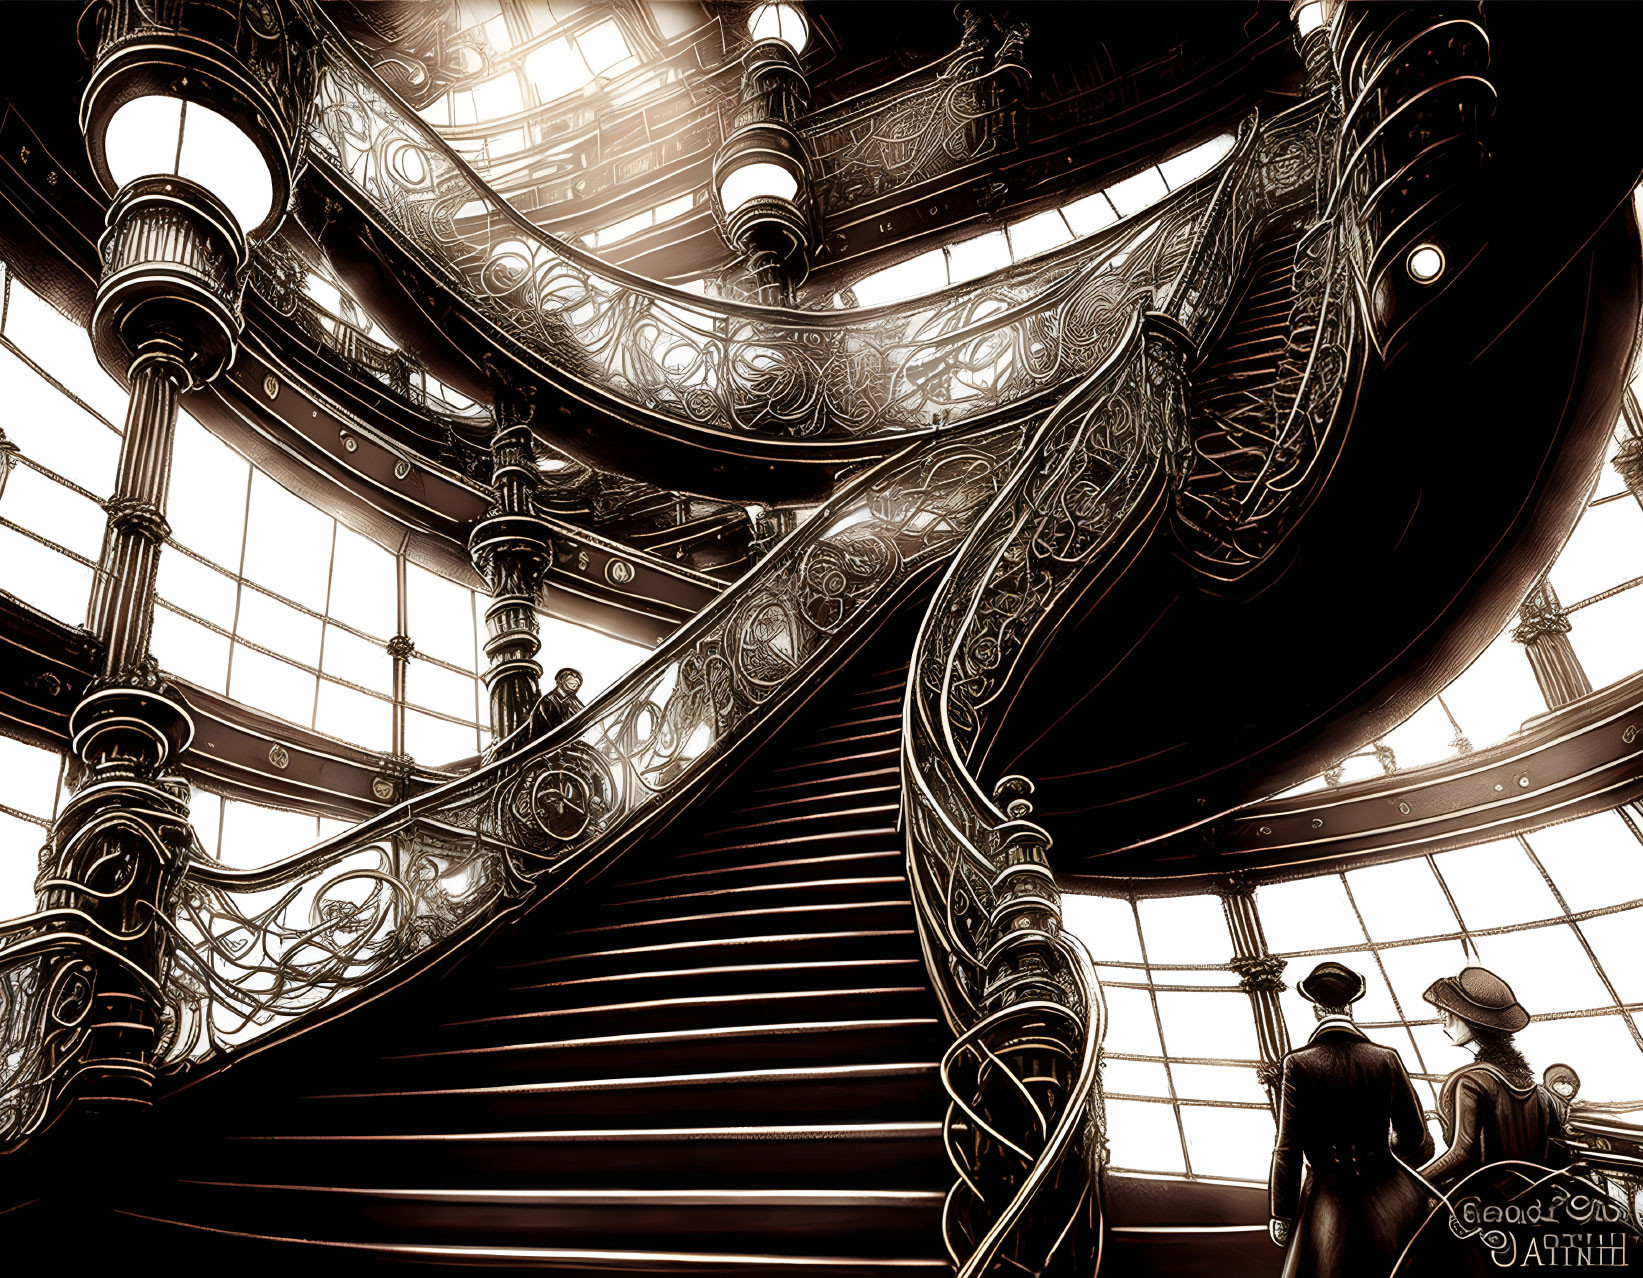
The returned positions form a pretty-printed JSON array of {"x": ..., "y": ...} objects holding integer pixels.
[{"x": 1344, "y": 1101}]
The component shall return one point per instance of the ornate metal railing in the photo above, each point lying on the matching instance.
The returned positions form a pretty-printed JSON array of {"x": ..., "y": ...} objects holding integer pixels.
[
  {"x": 254, "y": 951},
  {"x": 669, "y": 356},
  {"x": 1024, "y": 1127}
]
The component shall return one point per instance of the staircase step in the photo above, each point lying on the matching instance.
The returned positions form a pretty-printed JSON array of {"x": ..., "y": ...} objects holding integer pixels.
[
  {"x": 832, "y": 890},
  {"x": 767, "y": 872},
  {"x": 775, "y": 946}
]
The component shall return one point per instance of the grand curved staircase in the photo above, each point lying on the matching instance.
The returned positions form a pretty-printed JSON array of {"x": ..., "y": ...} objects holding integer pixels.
[{"x": 722, "y": 1057}]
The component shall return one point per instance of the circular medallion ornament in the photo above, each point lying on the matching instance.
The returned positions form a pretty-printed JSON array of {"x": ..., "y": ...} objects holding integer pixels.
[
  {"x": 279, "y": 756},
  {"x": 619, "y": 571}
]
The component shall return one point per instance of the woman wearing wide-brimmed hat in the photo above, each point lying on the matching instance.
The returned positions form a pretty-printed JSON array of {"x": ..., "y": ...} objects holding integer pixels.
[{"x": 1492, "y": 1110}]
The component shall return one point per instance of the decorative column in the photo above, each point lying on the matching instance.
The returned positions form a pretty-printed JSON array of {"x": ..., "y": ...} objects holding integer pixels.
[
  {"x": 1543, "y": 630},
  {"x": 761, "y": 177},
  {"x": 1311, "y": 21},
  {"x": 181, "y": 128},
  {"x": 512, "y": 551},
  {"x": 1260, "y": 975}
]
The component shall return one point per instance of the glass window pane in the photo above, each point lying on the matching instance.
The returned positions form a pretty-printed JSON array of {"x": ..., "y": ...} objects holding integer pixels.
[
  {"x": 1595, "y": 861},
  {"x": 1604, "y": 636},
  {"x": 439, "y": 613},
  {"x": 1614, "y": 939},
  {"x": 23, "y": 841},
  {"x": 1495, "y": 884},
  {"x": 1195, "y": 161},
  {"x": 1135, "y": 193},
  {"x": 271, "y": 684},
  {"x": 1307, "y": 914},
  {"x": 353, "y": 716},
  {"x": 603, "y": 46},
  {"x": 287, "y": 544},
  {"x": 53, "y": 430},
  {"x": 63, "y": 348},
  {"x": 913, "y": 278},
  {"x": 436, "y": 688},
  {"x": 197, "y": 588},
  {"x": 1090, "y": 214},
  {"x": 1600, "y": 1048},
  {"x": 1411, "y": 968},
  {"x": 1218, "y": 1082},
  {"x": 1426, "y": 736},
  {"x": 357, "y": 660},
  {"x": 43, "y": 577},
  {"x": 1210, "y": 1026},
  {"x": 363, "y": 585},
  {"x": 1144, "y": 1136},
  {"x": 1134, "y": 1078},
  {"x": 1605, "y": 549},
  {"x": 435, "y": 742},
  {"x": 1496, "y": 693},
  {"x": 279, "y": 627},
  {"x": 206, "y": 502},
  {"x": 1231, "y": 1143},
  {"x": 1132, "y": 1029},
  {"x": 1038, "y": 234},
  {"x": 28, "y": 780},
  {"x": 1547, "y": 968},
  {"x": 57, "y": 513},
  {"x": 977, "y": 256},
  {"x": 1401, "y": 900},
  {"x": 189, "y": 650},
  {"x": 253, "y": 835},
  {"x": 1185, "y": 929},
  {"x": 1106, "y": 924}
]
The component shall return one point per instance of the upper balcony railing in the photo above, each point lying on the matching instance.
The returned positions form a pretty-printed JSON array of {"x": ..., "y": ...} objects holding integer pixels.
[{"x": 678, "y": 363}]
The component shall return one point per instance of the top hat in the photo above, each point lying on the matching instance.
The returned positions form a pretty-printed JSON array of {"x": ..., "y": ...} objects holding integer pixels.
[
  {"x": 1478, "y": 997},
  {"x": 1332, "y": 985}
]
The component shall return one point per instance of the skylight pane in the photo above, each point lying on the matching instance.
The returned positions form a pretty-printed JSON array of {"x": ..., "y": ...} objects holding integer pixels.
[
  {"x": 189, "y": 650},
  {"x": 1208, "y": 1024},
  {"x": 1401, "y": 901},
  {"x": 28, "y": 779},
  {"x": 1038, "y": 234},
  {"x": 498, "y": 97},
  {"x": 1132, "y": 1028},
  {"x": 1495, "y": 884},
  {"x": 280, "y": 628},
  {"x": 624, "y": 229},
  {"x": 364, "y": 590},
  {"x": 918, "y": 275},
  {"x": 356, "y": 660},
  {"x": 51, "y": 429},
  {"x": 44, "y": 506},
  {"x": 63, "y": 348},
  {"x": 1144, "y": 1136},
  {"x": 1134, "y": 1078},
  {"x": 1136, "y": 193},
  {"x": 253, "y": 835},
  {"x": 980, "y": 255},
  {"x": 436, "y": 742},
  {"x": 197, "y": 588},
  {"x": 1605, "y": 549},
  {"x": 1106, "y": 925},
  {"x": 1496, "y": 693},
  {"x": 1601, "y": 1050},
  {"x": 1426, "y": 736},
  {"x": 1196, "y": 161},
  {"x": 287, "y": 544},
  {"x": 43, "y": 577},
  {"x": 1218, "y": 1082},
  {"x": 353, "y": 716},
  {"x": 1091, "y": 214},
  {"x": 1605, "y": 634},
  {"x": 1411, "y": 968},
  {"x": 23, "y": 839},
  {"x": 1613, "y": 938},
  {"x": 1595, "y": 861},
  {"x": 440, "y": 616},
  {"x": 1232, "y": 1143},
  {"x": 206, "y": 506},
  {"x": 267, "y": 683},
  {"x": 435, "y": 688},
  {"x": 603, "y": 46},
  {"x": 1185, "y": 929},
  {"x": 1547, "y": 968},
  {"x": 1307, "y": 914},
  {"x": 555, "y": 69}
]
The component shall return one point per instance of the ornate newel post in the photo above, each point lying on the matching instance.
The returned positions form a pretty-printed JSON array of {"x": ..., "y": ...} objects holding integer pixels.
[
  {"x": 1260, "y": 975},
  {"x": 761, "y": 177},
  {"x": 511, "y": 550},
  {"x": 1543, "y": 630},
  {"x": 182, "y": 131}
]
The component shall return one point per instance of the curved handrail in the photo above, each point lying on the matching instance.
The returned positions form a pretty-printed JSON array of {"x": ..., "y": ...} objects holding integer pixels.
[{"x": 669, "y": 358}]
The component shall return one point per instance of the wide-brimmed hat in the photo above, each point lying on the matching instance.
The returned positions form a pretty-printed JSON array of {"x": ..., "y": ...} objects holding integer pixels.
[
  {"x": 1332, "y": 985},
  {"x": 1478, "y": 997}
]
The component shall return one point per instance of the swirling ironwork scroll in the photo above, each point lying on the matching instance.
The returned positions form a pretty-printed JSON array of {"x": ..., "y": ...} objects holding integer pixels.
[
  {"x": 1023, "y": 1129},
  {"x": 669, "y": 355},
  {"x": 256, "y": 950}
]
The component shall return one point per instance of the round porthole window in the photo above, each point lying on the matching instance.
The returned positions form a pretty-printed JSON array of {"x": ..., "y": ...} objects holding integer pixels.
[{"x": 1426, "y": 263}]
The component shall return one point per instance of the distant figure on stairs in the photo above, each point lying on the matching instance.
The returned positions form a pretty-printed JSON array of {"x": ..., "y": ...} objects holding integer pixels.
[
  {"x": 562, "y": 704},
  {"x": 1342, "y": 1096}
]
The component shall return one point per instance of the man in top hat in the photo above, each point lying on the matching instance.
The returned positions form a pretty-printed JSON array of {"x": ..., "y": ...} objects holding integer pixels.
[{"x": 1342, "y": 1097}]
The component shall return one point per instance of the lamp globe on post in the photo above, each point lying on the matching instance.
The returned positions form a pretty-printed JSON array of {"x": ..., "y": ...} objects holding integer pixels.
[
  {"x": 190, "y": 117},
  {"x": 761, "y": 192}
]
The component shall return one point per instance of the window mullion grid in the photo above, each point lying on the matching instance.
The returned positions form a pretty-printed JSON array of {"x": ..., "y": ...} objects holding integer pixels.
[
  {"x": 1386, "y": 977},
  {"x": 325, "y": 628},
  {"x": 1158, "y": 1023}
]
